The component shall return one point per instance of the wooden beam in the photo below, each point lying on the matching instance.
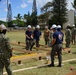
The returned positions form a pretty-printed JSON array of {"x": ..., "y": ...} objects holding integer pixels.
[
  {"x": 23, "y": 50},
  {"x": 71, "y": 73},
  {"x": 27, "y": 56}
]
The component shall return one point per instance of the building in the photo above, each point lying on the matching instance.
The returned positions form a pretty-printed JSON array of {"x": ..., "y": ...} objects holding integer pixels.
[
  {"x": 42, "y": 20},
  {"x": 70, "y": 17}
]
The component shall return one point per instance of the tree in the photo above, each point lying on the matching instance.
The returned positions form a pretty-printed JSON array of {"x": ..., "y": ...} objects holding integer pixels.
[
  {"x": 74, "y": 5},
  {"x": 27, "y": 17},
  {"x": 59, "y": 12},
  {"x": 18, "y": 18},
  {"x": 46, "y": 7}
]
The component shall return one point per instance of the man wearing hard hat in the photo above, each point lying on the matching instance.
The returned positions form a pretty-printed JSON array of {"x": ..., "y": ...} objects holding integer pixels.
[
  {"x": 59, "y": 29},
  {"x": 5, "y": 51},
  {"x": 36, "y": 36},
  {"x": 46, "y": 35},
  {"x": 56, "y": 46},
  {"x": 68, "y": 36},
  {"x": 73, "y": 32},
  {"x": 29, "y": 38}
]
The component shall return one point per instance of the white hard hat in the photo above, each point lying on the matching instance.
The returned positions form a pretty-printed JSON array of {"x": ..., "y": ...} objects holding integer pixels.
[
  {"x": 29, "y": 26},
  {"x": 59, "y": 26},
  {"x": 38, "y": 26},
  {"x": 3, "y": 27},
  {"x": 54, "y": 26},
  {"x": 46, "y": 27},
  {"x": 73, "y": 25}
]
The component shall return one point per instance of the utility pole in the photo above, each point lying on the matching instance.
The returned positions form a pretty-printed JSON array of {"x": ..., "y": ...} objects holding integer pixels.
[
  {"x": 9, "y": 15},
  {"x": 34, "y": 14},
  {"x": 34, "y": 8}
]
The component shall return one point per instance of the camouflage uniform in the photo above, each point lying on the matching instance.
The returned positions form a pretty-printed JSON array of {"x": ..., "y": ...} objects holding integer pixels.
[
  {"x": 51, "y": 37},
  {"x": 73, "y": 35},
  {"x": 46, "y": 36},
  {"x": 68, "y": 37},
  {"x": 5, "y": 54}
]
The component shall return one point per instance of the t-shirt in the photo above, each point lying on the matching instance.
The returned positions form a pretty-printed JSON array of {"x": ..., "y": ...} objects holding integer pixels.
[
  {"x": 58, "y": 36},
  {"x": 29, "y": 33},
  {"x": 37, "y": 34}
]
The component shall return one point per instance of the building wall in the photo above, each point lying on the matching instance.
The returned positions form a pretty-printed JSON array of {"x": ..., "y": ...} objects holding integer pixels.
[{"x": 70, "y": 18}]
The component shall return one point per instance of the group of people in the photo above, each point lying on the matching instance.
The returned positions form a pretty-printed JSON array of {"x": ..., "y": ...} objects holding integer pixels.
[
  {"x": 32, "y": 37},
  {"x": 70, "y": 35},
  {"x": 53, "y": 37}
]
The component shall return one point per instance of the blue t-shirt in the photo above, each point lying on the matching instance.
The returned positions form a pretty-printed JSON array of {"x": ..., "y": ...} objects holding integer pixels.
[
  {"x": 29, "y": 33},
  {"x": 58, "y": 36},
  {"x": 37, "y": 34}
]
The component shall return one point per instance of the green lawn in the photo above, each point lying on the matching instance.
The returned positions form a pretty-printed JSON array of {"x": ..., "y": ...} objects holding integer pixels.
[{"x": 20, "y": 36}]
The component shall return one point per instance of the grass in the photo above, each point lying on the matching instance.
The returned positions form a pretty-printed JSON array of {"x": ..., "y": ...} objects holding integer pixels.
[{"x": 20, "y": 36}]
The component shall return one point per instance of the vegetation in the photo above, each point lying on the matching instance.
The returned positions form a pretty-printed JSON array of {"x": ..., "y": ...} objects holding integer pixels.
[{"x": 59, "y": 12}]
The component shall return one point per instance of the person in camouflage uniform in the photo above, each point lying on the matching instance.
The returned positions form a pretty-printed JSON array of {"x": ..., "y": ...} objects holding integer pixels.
[
  {"x": 46, "y": 35},
  {"x": 5, "y": 51},
  {"x": 68, "y": 36},
  {"x": 73, "y": 32}
]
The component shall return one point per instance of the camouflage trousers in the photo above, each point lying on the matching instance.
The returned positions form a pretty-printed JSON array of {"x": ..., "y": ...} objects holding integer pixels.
[
  {"x": 73, "y": 39},
  {"x": 31, "y": 43},
  {"x": 28, "y": 44},
  {"x": 5, "y": 63},
  {"x": 46, "y": 40},
  {"x": 68, "y": 42},
  {"x": 56, "y": 49}
]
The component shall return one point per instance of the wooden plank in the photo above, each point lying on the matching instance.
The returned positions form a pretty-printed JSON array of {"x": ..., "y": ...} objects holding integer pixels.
[
  {"x": 23, "y": 50},
  {"x": 28, "y": 56},
  {"x": 71, "y": 73},
  {"x": 37, "y": 48}
]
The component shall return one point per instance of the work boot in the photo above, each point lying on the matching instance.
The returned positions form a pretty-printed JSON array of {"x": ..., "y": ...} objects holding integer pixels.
[
  {"x": 59, "y": 66},
  {"x": 51, "y": 65}
]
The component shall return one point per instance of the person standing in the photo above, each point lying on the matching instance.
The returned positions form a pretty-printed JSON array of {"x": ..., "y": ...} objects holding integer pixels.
[
  {"x": 68, "y": 36},
  {"x": 51, "y": 37},
  {"x": 46, "y": 35},
  {"x": 36, "y": 36},
  {"x": 29, "y": 38},
  {"x": 5, "y": 51},
  {"x": 56, "y": 46},
  {"x": 59, "y": 29},
  {"x": 73, "y": 32}
]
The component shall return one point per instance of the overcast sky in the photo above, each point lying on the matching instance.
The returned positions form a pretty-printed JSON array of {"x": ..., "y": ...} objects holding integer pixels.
[{"x": 23, "y": 6}]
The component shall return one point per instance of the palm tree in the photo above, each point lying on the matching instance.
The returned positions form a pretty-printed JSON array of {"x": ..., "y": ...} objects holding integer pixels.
[{"x": 18, "y": 18}]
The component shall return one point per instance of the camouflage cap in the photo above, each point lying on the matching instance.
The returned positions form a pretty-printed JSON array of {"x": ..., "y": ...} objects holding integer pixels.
[{"x": 3, "y": 27}]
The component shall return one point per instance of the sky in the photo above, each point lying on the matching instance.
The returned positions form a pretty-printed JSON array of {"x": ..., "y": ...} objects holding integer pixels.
[{"x": 23, "y": 7}]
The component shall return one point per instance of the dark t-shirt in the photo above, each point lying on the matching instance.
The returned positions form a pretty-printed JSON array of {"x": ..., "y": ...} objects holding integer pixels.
[
  {"x": 37, "y": 34},
  {"x": 58, "y": 36},
  {"x": 29, "y": 33}
]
